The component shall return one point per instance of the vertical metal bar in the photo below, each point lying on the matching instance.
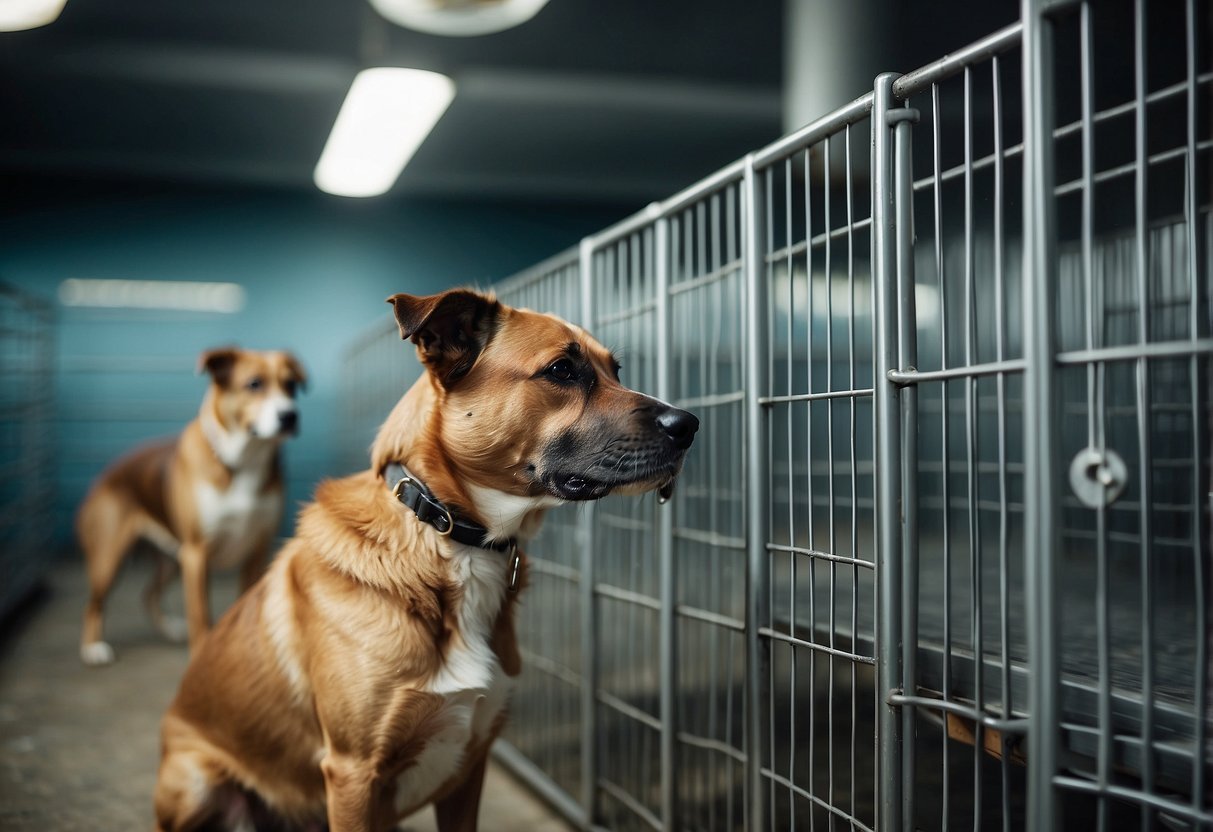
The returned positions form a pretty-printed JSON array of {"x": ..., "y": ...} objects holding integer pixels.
[
  {"x": 589, "y": 607},
  {"x": 757, "y": 505},
  {"x": 1040, "y": 407},
  {"x": 907, "y": 357},
  {"x": 665, "y": 542},
  {"x": 976, "y": 617},
  {"x": 1199, "y": 436},
  {"x": 1144, "y": 460},
  {"x": 945, "y": 469},
  {"x": 887, "y": 461},
  {"x": 1004, "y": 571}
]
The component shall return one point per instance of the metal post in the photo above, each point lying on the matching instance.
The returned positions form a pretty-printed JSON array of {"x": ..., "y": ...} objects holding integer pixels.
[
  {"x": 903, "y": 121},
  {"x": 887, "y": 462},
  {"x": 757, "y": 504},
  {"x": 1040, "y": 407},
  {"x": 665, "y": 539},
  {"x": 589, "y": 608}
]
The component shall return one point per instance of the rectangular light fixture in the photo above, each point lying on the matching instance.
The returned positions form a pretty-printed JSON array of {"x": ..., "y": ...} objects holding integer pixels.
[
  {"x": 19, "y": 15},
  {"x": 386, "y": 116},
  {"x": 176, "y": 295}
]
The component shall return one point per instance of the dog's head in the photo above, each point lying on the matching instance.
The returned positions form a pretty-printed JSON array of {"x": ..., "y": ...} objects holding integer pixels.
[
  {"x": 530, "y": 405},
  {"x": 254, "y": 392}
]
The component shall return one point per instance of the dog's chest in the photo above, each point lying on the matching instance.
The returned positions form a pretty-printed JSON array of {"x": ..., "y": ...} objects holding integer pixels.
[
  {"x": 471, "y": 680},
  {"x": 235, "y": 518}
]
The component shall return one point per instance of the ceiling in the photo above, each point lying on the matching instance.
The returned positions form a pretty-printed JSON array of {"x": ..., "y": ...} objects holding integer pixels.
[{"x": 609, "y": 101}]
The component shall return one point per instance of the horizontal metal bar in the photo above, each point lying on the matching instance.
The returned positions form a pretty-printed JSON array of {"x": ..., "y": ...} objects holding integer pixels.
[
  {"x": 815, "y": 131},
  {"x": 536, "y": 779},
  {"x": 812, "y": 397},
  {"x": 1075, "y": 185},
  {"x": 644, "y": 217},
  {"x": 711, "y": 745},
  {"x": 812, "y": 645},
  {"x": 713, "y": 539},
  {"x": 624, "y": 314},
  {"x": 533, "y": 274},
  {"x": 1130, "y": 352},
  {"x": 800, "y": 791},
  {"x": 952, "y": 63},
  {"x": 1007, "y": 726},
  {"x": 556, "y": 570},
  {"x": 1173, "y": 91},
  {"x": 630, "y": 711},
  {"x": 903, "y": 377},
  {"x": 796, "y": 249},
  {"x": 713, "y": 400},
  {"x": 819, "y": 555},
  {"x": 550, "y": 667},
  {"x": 959, "y": 170},
  {"x": 627, "y": 596},
  {"x": 728, "y": 175},
  {"x": 1183, "y": 810},
  {"x": 707, "y": 279},
  {"x": 633, "y": 805},
  {"x": 707, "y": 617}
]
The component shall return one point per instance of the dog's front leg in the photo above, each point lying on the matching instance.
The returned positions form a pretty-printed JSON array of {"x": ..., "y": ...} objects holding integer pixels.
[
  {"x": 458, "y": 810},
  {"x": 350, "y": 787},
  {"x": 193, "y": 583}
]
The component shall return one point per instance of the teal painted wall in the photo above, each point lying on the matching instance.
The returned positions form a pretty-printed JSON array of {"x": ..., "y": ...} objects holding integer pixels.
[{"x": 315, "y": 271}]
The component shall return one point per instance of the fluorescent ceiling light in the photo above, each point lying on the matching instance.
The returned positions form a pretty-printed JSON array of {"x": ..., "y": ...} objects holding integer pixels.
[
  {"x": 386, "y": 116},
  {"x": 458, "y": 17},
  {"x": 178, "y": 295},
  {"x": 19, "y": 15}
]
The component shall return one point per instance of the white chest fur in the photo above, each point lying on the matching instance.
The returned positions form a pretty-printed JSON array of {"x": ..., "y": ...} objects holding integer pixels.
[
  {"x": 234, "y": 519},
  {"x": 471, "y": 679}
]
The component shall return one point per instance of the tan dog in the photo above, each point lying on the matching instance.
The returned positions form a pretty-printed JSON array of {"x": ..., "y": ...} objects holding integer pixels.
[
  {"x": 210, "y": 497},
  {"x": 367, "y": 673}
]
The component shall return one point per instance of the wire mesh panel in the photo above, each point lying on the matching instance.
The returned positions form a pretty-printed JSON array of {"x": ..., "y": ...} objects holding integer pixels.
[
  {"x": 25, "y": 443},
  {"x": 961, "y": 361},
  {"x": 1129, "y": 311},
  {"x": 819, "y": 763},
  {"x": 706, "y": 367}
]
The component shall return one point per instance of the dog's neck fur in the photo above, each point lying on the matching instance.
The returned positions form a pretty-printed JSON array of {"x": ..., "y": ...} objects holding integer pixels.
[
  {"x": 237, "y": 449},
  {"x": 411, "y": 436}
]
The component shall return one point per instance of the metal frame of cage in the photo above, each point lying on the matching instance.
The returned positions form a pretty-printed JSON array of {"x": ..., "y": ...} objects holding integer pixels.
[
  {"x": 860, "y": 609},
  {"x": 26, "y": 400}
]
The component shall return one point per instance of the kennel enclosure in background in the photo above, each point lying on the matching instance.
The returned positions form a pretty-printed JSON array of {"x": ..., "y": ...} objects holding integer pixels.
[{"x": 940, "y": 554}]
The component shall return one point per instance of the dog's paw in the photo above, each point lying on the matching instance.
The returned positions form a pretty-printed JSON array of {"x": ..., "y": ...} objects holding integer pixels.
[
  {"x": 96, "y": 654},
  {"x": 174, "y": 628}
]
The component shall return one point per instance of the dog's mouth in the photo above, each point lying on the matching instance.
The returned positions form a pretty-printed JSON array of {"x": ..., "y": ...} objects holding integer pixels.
[{"x": 580, "y": 486}]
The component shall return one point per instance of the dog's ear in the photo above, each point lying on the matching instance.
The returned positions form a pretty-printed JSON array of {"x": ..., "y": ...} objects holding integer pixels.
[
  {"x": 295, "y": 368},
  {"x": 449, "y": 329},
  {"x": 218, "y": 362}
]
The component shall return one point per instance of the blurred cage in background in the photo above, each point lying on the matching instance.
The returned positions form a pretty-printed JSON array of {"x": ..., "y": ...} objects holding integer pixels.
[
  {"x": 26, "y": 424},
  {"x": 940, "y": 554}
]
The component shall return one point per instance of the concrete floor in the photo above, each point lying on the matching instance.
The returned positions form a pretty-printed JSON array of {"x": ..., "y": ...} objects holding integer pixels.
[{"x": 79, "y": 746}]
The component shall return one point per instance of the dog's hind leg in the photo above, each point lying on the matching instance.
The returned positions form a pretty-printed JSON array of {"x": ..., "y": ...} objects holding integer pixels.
[{"x": 106, "y": 530}]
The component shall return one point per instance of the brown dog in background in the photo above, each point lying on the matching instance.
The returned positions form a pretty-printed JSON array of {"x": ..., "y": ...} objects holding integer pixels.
[
  {"x": 368, "y": 672},
  {"x": 210, "y": 497}
]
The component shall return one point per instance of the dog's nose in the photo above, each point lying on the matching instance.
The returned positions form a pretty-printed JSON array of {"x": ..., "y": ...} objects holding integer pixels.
[
  {"x": 288, "y": 420},
  {"x": 679, "y": 426}
]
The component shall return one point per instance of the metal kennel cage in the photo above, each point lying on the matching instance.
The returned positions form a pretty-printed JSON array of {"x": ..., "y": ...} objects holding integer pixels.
[
  {"x": 940, "y": 555},
  {"x": 26, "y": 402}
]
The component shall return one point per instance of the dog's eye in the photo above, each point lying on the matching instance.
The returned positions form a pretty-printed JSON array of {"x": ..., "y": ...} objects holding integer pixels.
[
  {"x": 289, "y": 387},
  {"x": 253, "y": 383},
  {"x": 562, "y": 370}
]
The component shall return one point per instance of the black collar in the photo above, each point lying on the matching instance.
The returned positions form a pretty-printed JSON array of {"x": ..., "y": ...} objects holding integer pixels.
[{"x": 412, "y": 492}]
